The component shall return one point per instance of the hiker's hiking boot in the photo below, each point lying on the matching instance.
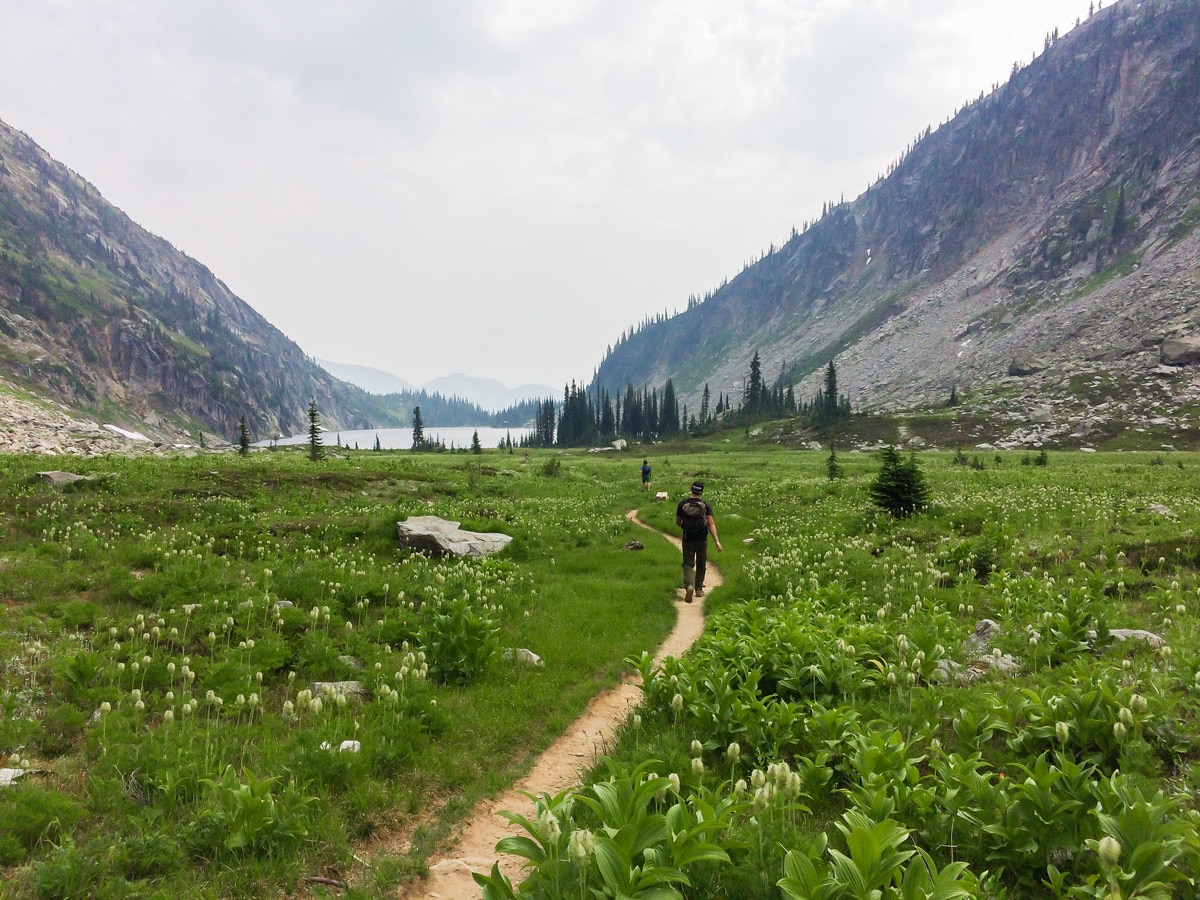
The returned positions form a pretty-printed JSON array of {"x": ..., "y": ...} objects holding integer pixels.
[
  {"x": 687, "y": 594},
  {"x": 699, "y": 592}
]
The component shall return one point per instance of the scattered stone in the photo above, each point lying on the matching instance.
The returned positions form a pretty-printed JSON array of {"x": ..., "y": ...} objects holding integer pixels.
[
  {"x": 9, "y": 776},
  {"x": 1137, "y": 634},
  {"x": 59, "y": 479},
  {"x": 985, "y": 631},
  {"x": 634, "y": 545},
  {"x": 1041, "y": 415},
  {"x": 1182, "y": 351},
  {"x": 441, "y": 537},
  {"x": 1022, "y": 366},
  {"x": 813, "y": 445},
  {"x": 660, "y": 496},
  {"x": 757, "y": 432},
  {"x": 619, "y": 444},
  {"x": 344, "y": 747},
  {"x": 333, "y": 688},
  {"x": 350, "y": 661},
  {"x": 526, "y": 657},
  {"x": 284, "y": 604},
  {"x": 1159, "y": 509}
]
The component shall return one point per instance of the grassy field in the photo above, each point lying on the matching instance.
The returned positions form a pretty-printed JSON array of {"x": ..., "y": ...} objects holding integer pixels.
[{"x": 165, "y": 623}]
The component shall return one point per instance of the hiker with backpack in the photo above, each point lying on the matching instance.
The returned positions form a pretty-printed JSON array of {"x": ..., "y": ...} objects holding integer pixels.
[
  {"x": 695, "y": 516},
  {"x": 645, "y": 474}
]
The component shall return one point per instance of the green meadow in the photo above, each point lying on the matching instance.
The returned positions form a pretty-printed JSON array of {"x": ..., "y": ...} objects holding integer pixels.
[{"x": 168, "y": 626}]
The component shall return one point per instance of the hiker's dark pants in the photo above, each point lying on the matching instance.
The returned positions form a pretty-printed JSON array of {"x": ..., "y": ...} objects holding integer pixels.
[{"x": 695, "y": 559}]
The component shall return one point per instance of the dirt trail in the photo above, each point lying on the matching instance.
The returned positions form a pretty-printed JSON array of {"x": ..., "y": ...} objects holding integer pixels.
[{"x": 559, "y": 768}]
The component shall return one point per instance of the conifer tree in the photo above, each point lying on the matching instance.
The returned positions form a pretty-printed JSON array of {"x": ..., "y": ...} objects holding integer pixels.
[
  {"x": 377, "y": 446},
  {"x": 418, "y": 426},
  {"x": 704, "y": 406},
  {"x": 832, "y": 468},
  {"x": 829, "y": 411},
  {"x": 476, "y": 447},
  {"x": 900, "y": 487},
  {"x": 315, "y": 450},
  {"x": 243, "y": 437}
]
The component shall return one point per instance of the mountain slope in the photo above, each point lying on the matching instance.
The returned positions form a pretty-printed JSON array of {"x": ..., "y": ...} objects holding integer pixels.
[
  {"x": 98, "y": 313},
  {"x": 1055, "y": 218}
]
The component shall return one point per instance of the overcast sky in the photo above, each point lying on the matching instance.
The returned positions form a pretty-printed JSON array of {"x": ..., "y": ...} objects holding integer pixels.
[{"x": 494, "y": 187}]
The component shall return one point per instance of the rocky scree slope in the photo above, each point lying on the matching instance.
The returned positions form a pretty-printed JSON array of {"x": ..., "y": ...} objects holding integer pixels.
[
  {"x": 100, "y": 314},
  {"x": 1050, "y": 226}
]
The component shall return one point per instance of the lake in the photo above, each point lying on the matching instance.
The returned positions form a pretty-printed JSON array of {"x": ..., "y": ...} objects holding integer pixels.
[{"x": 401, "y": 438}]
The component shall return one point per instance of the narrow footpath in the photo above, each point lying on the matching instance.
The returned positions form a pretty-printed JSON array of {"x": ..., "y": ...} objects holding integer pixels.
[{"x": 559, "y": 768}]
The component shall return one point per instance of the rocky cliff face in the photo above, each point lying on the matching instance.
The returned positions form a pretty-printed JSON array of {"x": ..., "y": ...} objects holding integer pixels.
[
  {"x": 96, "y": 312},
  {"x": 1053, "y": 220}
]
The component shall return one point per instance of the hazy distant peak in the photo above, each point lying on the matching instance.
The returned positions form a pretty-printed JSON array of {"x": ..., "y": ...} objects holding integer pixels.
[
  {"x": 373, "y": 381},
  {"x": 489, "y": 393}
]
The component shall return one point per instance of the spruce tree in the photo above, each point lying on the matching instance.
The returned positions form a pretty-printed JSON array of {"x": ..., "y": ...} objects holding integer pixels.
[
  {"x": 476, "y": 447},
  {"x": 900, "y": 487},
  {"x": 243, "y": 437},
  {"x": 315, "y": 451},
  {"x": 418, "y": 429},
  {"x": 832, "y": 468}
]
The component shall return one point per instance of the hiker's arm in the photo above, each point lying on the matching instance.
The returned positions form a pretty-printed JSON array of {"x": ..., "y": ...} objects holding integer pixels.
[{"x": 712, "y": 529}]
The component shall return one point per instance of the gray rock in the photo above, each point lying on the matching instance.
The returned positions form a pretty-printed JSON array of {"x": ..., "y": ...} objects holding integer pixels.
[
  {"x": 1041, "y": 415},
  {"x": 1022, "y": 366},
  {"x": 1161, "y": 510},
  {"x": 619, "y": 444},
  {"x": 9, "y": 776},
  {"x": 1181, "y": 351},
  {"x": 441, "y": 537},
  {"x": 1137, "y": 634},
  {"x": 350, "y": 661},
  {"x": 333, "y": 688},
  {"x": 60, "y": 479},
  {"x": 526, "y": 657},
  {"x": 985, "y": 631}
]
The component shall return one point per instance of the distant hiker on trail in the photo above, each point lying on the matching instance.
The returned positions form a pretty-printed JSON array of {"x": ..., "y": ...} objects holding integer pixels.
[
  {"x": 695, "y": 517},
  {"x": 645, "y": 474}
]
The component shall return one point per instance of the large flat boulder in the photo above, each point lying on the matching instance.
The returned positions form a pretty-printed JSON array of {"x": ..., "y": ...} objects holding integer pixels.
[
  {"x": 441, "y": 537},
  {"x": 1183, "y": 351}
]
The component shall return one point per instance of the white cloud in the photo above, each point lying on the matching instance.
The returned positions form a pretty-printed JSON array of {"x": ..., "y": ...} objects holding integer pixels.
[{"x": 491, "y": 187}]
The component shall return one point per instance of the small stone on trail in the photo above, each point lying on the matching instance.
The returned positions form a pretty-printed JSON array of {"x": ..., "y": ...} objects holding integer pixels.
[{"x": 634, "y": 545}]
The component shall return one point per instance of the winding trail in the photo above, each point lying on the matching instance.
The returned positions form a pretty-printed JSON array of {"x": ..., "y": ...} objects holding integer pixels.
[{"x": 556, "y": 770}]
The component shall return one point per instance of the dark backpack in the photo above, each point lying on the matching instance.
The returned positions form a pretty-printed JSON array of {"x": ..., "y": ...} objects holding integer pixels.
[{"x": 695, "y": 518}]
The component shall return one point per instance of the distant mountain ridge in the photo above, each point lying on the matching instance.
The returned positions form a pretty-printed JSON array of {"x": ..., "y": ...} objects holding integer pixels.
[
  {"x": 100, "y": 314},
  {"x": 373, "y": 381},
  {"x": 487, "y": 393},
  {"x": 1054, "y": 220}
]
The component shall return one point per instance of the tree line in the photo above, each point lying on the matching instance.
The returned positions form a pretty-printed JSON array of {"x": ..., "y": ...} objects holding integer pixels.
[{"x": 592, "y": 417}]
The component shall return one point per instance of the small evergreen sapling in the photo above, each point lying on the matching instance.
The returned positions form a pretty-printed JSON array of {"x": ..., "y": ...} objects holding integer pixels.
[
  {"x": 900, "y": 487},
  {"x": 243, "y": 437},
  {"x": 832, "y": 468}
]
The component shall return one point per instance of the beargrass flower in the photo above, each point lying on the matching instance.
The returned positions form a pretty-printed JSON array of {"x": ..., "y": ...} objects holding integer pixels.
[{"x": 697, "y": 748}]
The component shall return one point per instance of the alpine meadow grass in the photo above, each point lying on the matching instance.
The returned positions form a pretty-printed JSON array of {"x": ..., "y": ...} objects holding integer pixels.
[{"x": 169, "y": 624}]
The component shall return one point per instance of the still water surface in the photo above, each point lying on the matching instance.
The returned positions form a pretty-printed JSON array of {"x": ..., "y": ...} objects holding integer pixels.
[{"x": 401, "y": 438}]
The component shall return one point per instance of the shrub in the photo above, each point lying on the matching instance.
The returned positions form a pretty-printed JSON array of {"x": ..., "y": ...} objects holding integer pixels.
[{"x": 900, "y": 486}]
